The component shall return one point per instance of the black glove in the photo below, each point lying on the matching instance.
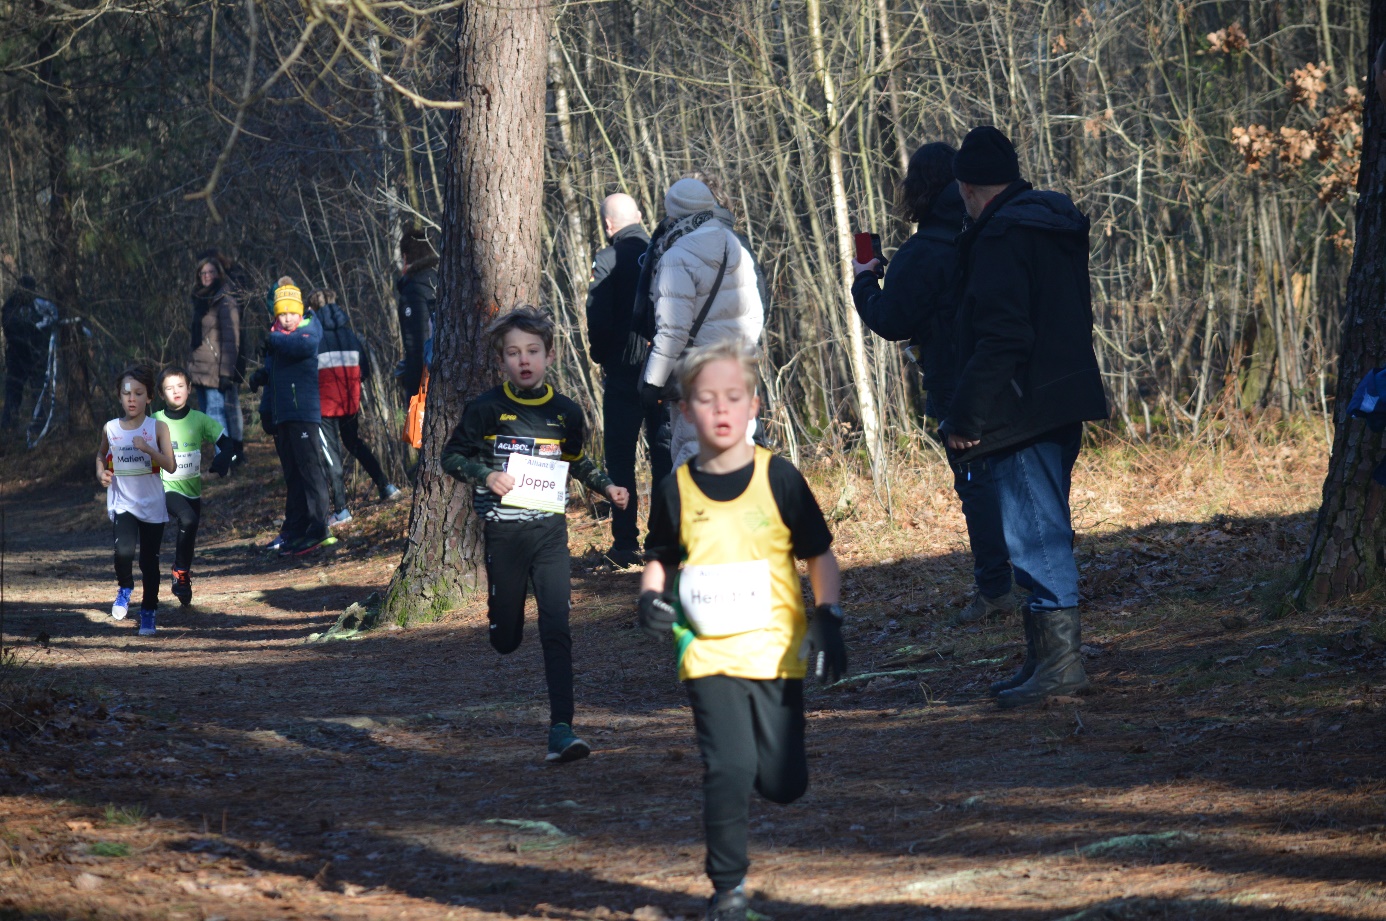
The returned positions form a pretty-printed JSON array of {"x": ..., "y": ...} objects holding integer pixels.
[
  {"x": 827, "y": 652},
  {"x": 221, "y": 464},
  {"x": 259, "y": 379},
  {"x": 657, "y": 614},
  {"x": 226, "y": 383},
  {"x": 650, "y": 396}
]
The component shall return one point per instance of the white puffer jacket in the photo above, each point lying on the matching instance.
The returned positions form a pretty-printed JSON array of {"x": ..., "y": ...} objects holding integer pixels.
[{"x": 683, "y": 280}]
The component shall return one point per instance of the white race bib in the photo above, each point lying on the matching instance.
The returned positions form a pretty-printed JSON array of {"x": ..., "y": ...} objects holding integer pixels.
[
  {"x": 126, "y": 459},
  {"x": 189, "y": 465},
  {"x": 540, "y": 484},
  {"x": 726, "y": 598}
]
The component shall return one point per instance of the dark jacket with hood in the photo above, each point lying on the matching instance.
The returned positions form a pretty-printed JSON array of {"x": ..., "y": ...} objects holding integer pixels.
[
  {"x": 214, "y": 349},
  {"x": 291, "y": 363},
  {"x": 919, "y": 298},
  {"x": 1024, "y": 326},
  {"x": 416, "y": 295},
  {"x": 26, "y": 317},
  {"x": 611, "y": 299},
  {"x": 342, "y": 363}
]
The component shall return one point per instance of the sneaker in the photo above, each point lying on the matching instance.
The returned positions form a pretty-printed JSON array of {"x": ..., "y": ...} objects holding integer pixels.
[
  {"x": 146, "y": 622},
  {"x": 391, "y": 493},
  {"x": 564, "y": 746},
  {"x": 622, "y": 557},
  {"x": 182, "y": 586},
  {"x": 121, "y": 606},
  {"x": 309, "y": 544},
  {"x": 276, "y": 544},
  {"x": 337, "y": 518},
  {"x": 730, "y": 905},
  {"x": 984, "y": 608}
]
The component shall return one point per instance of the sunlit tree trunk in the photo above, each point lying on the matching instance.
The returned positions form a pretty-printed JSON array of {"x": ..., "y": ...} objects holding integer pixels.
[
  {"x": 490, "y": 263},
  {"x": 1345, "y": 556}
]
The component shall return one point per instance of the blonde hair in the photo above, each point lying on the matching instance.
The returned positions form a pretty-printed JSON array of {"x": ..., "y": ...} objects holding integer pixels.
[{"x": 741, "y": 351}]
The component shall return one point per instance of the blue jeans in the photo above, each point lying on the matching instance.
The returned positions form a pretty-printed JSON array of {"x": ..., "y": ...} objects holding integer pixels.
[
  {"x": 991, "y": 560},
  {"x": 225, "y": 407},
  {"x": 1032, "y": 485}
]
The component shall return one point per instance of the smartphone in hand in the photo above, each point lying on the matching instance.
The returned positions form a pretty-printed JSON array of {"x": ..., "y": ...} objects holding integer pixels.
[{"x": 868, "y": 246}]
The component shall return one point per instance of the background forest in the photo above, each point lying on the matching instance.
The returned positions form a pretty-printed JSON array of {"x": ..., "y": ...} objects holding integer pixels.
[{"x": 1213, "y": 144}]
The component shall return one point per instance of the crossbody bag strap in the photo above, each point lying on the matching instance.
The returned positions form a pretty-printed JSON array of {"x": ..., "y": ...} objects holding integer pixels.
[{"x": 707, "y": 305}]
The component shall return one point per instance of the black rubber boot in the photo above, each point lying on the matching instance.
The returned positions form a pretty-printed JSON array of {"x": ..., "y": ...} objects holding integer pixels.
[
  {"x": 1059, "y": 664},
  {"x": 1027, "y": 668}
]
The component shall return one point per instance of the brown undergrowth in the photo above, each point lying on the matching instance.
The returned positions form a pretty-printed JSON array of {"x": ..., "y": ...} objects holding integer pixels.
[{"x": 1226, "y": 765}]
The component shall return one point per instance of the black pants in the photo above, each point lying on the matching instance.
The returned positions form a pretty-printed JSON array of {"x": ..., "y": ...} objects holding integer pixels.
[
  {"x": 518, "y": 554},
  {"x": 185, "y": 513},
  {"x": 623, "y": 418},
  {"x": 300, "y": 454},
  {"x": 130, "y": 531},
  {"x": 751, "y": 735},
  {"x": 25, "y": 366},
  {"x": 345, "y": 431},
  {"x": 981, "y": 507}
]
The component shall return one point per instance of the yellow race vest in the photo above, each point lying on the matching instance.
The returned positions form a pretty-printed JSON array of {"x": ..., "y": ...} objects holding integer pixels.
[{"x": 740, "y": 604}]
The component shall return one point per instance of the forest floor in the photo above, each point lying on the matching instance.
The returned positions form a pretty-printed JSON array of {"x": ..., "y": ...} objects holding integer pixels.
[{"x": 1226, "y": 764}]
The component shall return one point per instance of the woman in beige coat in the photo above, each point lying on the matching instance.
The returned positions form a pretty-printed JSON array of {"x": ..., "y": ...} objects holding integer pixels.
[{"x": 214, "y": 349}]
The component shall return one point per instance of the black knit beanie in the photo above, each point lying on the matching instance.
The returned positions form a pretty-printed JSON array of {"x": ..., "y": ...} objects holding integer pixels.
[{"x": 986, "y": 157}]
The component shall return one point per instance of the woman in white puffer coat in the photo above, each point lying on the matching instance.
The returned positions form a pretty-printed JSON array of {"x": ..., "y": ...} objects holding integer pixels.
[{"x": 689, "y": 257}]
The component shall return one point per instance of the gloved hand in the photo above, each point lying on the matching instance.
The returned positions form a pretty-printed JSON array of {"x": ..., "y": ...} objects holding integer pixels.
[
  {"x": 221, "y": 464},
  {"x": 657, "y": 614},
  {"x": 650, "y": 396},
  {"x": 226, "y": 383},
  {"x": 259, "y": 379},
  {"x": 827, "y": 652}
]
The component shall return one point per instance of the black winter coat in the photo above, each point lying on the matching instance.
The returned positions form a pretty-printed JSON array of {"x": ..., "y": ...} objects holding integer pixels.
[
  {"x": 1024, "y": 327},
  {"x": 611, "y": 298},
  {"x": 416, "y": 295},
  {"x": 919, "y": 297}
]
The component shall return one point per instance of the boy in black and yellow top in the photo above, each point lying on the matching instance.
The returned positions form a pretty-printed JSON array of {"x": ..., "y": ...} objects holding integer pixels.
[
  {"x": 724, "y": 533},
  {"x": 517, "y": 444}
]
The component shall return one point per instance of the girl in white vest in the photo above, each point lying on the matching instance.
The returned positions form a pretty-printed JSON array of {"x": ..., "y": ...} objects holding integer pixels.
[{"x": 134, "y": 448}]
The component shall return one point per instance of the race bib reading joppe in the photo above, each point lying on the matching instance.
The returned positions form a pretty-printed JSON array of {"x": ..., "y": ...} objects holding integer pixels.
[
  {"x": 540, "y": 484},
  {"x": 726, "y": 598}
]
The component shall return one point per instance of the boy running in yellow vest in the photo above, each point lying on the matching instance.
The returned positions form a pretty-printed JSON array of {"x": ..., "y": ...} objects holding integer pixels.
[{"x": 724, "y": 533}]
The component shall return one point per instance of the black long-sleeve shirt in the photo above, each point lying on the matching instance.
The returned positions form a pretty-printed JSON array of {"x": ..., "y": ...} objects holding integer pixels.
[{"x": 504, "y": 421}]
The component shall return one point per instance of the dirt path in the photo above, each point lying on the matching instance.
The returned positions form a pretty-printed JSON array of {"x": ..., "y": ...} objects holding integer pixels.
[{"x": 1226, "y": 768}]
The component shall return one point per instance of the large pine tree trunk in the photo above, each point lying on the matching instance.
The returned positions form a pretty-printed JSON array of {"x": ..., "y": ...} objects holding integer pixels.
[
  {"x": 490, "y": 263},
  {"x": 1345, "y": 556}
]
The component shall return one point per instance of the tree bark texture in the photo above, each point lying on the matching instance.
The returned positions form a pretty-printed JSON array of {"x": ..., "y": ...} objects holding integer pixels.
[
  {"x": 490, "y": 263},
  {"x": 1345, "y": 555}
]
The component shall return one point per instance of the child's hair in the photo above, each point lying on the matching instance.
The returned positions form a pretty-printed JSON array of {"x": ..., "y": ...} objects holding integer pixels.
[
  {"x": 142, "y": 374},
  {"x": 173, "y": 371},
  {"x": 738, "y": 350},
  {"x": 526, "y": 319},
  {"x": 321, "y": 298}
]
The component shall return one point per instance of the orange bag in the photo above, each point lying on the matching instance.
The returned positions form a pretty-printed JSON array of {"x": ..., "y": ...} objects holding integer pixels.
[{"x": 413, "y": 422}]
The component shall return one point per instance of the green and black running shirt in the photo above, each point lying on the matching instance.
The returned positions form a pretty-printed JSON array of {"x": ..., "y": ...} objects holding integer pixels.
[{"x": 504, "y": 421}]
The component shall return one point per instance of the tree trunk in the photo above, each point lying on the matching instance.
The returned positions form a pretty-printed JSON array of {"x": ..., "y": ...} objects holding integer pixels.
[
  {"x": 490, "y": 262},
  {"x": 1345, "y": 555}
]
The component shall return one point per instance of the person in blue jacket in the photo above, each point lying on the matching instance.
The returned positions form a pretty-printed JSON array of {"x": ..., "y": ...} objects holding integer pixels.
[{"x": 293, "y": 401}]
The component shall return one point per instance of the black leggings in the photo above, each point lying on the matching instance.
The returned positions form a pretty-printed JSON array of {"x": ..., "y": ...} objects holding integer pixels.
[
  {"x": 519, "y": 553},
  {"x": 186, "y": 514},
  {"x": 130, "y": 531},
  {"x": 348, "y": 429},
  {"x": 751, "y": 736}
]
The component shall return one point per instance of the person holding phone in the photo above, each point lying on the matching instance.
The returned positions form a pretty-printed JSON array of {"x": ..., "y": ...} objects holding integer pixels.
[{"x": 917, "y": 302}]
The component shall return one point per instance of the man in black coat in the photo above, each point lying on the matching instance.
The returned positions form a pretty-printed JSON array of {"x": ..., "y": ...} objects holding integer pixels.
[
  {"x": 621, "y": 353},
  {"x": 1028, "y": 380},
  {"x": 27, "y": 320},
  {"x": 416, "y": 294}
]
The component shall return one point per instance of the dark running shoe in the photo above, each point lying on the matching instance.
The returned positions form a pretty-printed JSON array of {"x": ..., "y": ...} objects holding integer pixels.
[
  {"x": 312, "y": 544},
  {"x": 564, "y": 746},
  {"x": 182, "y": 586},
  {"x": 730, "y": 905}
]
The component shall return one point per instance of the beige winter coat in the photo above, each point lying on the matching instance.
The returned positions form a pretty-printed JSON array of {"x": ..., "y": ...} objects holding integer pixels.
[{"x": 217, "y": 348}]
